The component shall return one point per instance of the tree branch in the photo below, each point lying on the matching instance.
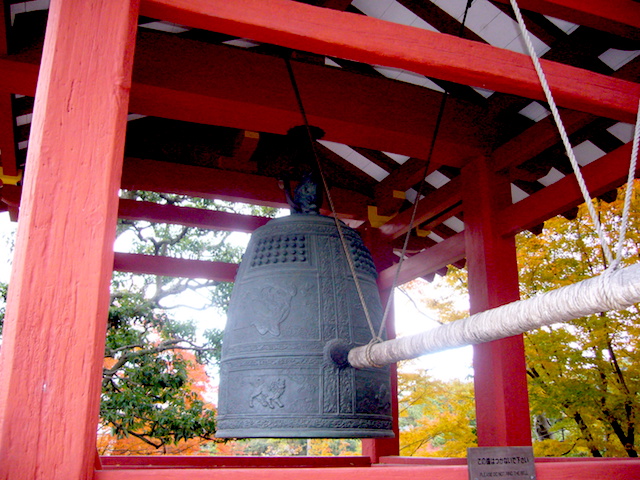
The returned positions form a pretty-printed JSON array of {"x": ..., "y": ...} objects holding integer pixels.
[{"x": 173, "y": 344}]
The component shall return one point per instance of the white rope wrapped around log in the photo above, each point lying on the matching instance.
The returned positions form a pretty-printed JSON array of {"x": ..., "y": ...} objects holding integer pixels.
[{"x": 612, "y": 290}]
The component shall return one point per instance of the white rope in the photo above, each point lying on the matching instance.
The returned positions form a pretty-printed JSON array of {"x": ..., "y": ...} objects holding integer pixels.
[
  {"x": 612, "y": 290},
  {"x": 626, "y": 211},
  {"x": 563, "y": 133}
]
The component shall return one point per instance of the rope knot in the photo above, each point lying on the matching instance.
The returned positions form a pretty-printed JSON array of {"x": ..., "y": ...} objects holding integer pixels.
[{"x": 367, "y": 352}]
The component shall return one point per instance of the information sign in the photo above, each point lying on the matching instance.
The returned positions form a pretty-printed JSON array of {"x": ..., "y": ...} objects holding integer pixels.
[{"x": 503, "y": 463}]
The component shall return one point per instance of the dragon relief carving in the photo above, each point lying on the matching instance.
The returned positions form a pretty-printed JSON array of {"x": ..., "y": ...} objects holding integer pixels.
[{"x": 267, "y": 394}]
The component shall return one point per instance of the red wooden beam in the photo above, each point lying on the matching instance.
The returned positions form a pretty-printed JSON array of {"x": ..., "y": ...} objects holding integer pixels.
[
  {"x": 193, "y": 461},
  {"x": 536, "y": 140},
  {"x": 54, "y": 332},
  {"x": 621, "y": 17},
  {"x": 500, "y": 380},
  {"x": 426, "y": 262},
  {"x": 141, "y": 174},
  {"x": 614, "y": 469},
  {"x": 254, "y": 92},
  {"x": 17, "y": 75},
  {"x": 437, "y": 224},
  {"x": 10, "y": 200},
  {"x": 601, "y": 176},
  {"x": 404, "y": 177},
  {"x": 369, "y": 40},
  {"x": 457, "y": 472},
  {"x": 430, "y": 206},
  {"x": 4, "y": 24},
  {"x": 7, "y": 140},
  {"x": 174, "y": 267},
  {"x": 154, "y": 212},
  {"x": 189, "y": 217}
]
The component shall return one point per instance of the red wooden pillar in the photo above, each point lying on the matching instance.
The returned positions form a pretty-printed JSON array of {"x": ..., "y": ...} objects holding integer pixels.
[
  {"x": 53, "y": 345},
  {"x": 382, "y": 253},
  {"x": 502, "y": 404}
]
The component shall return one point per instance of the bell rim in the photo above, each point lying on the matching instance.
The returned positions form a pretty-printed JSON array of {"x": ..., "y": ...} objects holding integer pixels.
[{"x": 306, "y": 433}]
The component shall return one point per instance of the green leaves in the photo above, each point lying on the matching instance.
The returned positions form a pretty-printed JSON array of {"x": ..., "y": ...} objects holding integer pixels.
[
  {"x": 150, "y": 390},
  {"x": 437, "y": 418},
  {"x": 582, "y": 375}
]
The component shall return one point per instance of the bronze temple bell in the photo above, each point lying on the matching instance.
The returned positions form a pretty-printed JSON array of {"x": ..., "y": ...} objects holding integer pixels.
[{"x": 294, "y": 315}]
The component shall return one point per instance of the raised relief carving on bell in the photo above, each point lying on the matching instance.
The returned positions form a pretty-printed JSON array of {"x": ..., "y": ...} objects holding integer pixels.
[
  {"x": 269, "y": 306},
  {"x": 267, "y": 394},
  {"x": 383, "y": 397}
]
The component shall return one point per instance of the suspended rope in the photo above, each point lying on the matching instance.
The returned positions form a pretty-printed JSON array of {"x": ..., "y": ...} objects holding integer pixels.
[
  {"x": 567, "y": 145},
  {"x": 414, "y": 210},
  {"x": 376, "y": 336},
  {"x": 613, "y": 290},
  {"x": 626, "y": 211},
  {"x": 325, "y": 185}
]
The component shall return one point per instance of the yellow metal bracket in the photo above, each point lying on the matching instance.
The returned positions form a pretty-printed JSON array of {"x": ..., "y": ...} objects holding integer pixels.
[
  {"x": 10, "y": 179},
  {"x": 376, "y": 220}
]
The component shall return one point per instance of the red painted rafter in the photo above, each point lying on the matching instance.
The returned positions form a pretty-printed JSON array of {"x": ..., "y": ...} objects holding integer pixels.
[
  {"x": 190, "y": 217},
  {"x": 4, "y": 9},
  {"x": 602, "y": 175},
  {"x": 439, "y": 19},
  {"x": 401, "y": 179},
  {"x": 450, "y": 212},
  {"x": 7, "y": 140},
  {"x": 139, "y": 174},
  {"x": 536, "y": 140},
  {"x": 430, "y": 206},
  {"x": 621, "y": 17},
  {"x": 174, "y": 267},
  {"x": 254, "y": 92},
  {"x": 18, "y": 75},
  {"x": 426, "y": 262},
  {"x": 374, "y": 41}
]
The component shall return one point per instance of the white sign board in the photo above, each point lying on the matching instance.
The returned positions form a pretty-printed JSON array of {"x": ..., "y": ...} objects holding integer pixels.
[{"x": 504, "y": 463}]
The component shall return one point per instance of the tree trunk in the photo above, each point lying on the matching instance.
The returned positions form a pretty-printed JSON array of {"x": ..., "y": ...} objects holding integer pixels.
[{"x": 584, "y": 429}]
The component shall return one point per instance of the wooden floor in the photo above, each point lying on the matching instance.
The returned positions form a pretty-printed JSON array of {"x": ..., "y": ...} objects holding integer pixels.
[{"x": 339, "y": 468}]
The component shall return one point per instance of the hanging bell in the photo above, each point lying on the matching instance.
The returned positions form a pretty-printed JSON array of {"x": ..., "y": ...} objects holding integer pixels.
[{"x": 294, "y": 315}]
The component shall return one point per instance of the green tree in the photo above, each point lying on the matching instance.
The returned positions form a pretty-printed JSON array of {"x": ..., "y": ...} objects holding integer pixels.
[
  {"x": 584, "y": 375},
  {"x": 437, "y": 418},
  {"x": 264, "y": 447}
]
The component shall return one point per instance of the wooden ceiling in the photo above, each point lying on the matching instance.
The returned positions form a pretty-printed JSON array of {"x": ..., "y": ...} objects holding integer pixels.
[{"x": 212, "y": 102}]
